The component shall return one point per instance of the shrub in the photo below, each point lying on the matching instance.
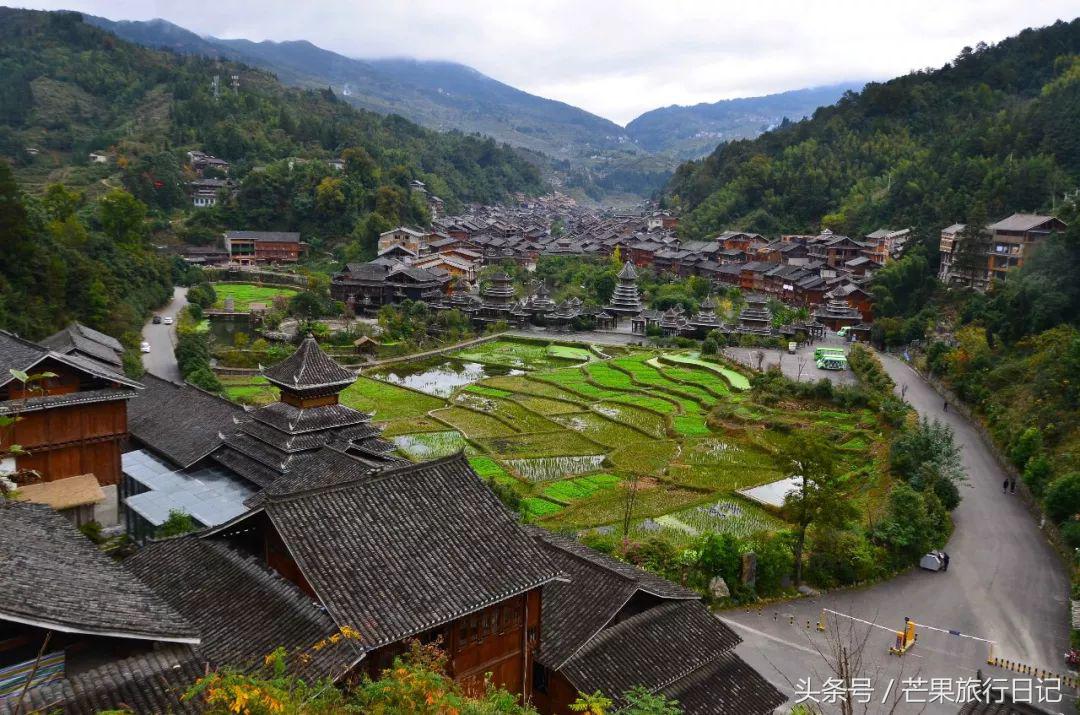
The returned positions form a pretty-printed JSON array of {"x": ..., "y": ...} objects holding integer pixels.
[
  {"x": 1027, "y": 445},
  {"x": 1037, "y": 474},
  {"x": 178, "y": 523},
  {"x": 840, "y": 557},
  {"x": 1070, "y": 532},
  {"x": 1062, "y": 499}
]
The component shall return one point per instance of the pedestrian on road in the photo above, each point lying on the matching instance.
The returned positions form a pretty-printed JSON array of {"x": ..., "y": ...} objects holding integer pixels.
[
  {"x": 1005, "y": 486},
  {"x": 946, "y": 405},
  {"x": 1012, "y": 485},
  {"x": 944, "y": 561}
]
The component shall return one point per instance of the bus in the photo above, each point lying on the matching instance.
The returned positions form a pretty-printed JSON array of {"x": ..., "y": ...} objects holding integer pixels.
[
  {"x": 831, "y": 362},
  {"x": 822, "y": 352}
]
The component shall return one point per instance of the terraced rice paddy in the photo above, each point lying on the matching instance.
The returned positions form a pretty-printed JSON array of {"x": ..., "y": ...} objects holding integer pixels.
[
  {"x": 569, "y": 429},
  {"x": 430, "y": 445}
]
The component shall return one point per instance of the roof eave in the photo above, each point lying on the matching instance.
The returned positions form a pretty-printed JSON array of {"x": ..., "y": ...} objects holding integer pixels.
[{"x": 109, "y": 633}]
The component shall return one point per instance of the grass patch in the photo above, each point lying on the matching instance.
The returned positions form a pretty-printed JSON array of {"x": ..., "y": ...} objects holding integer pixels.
[
  {"x": 648, "y": 422},
  {"x": 547, "y": 406},
  {"x": 410, "y": 425},
  {"x": 244, "y": 294},
  {"x": 603, "y": 431},
  {"x": 690, "y": 425},
  {"x": 488, "y": 391},
  {"x": 386, "y": 401},
  {"x": 542, "y": 444},
  {"x": 737, "y": 380},
  {"x": 488, "y": 468},
  {"x": 581, "y": 488},
  {"x": 649, "y": 457},
  {"x": 473, "y": 424},
  {"x": 538, "y": 508}
]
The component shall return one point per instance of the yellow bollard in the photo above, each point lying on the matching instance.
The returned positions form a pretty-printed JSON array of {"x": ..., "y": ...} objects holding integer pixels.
[{"x": 821, "y": 621}]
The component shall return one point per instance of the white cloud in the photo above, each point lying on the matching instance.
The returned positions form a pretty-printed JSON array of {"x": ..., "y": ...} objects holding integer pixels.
[{"x": 620, "y": 58}]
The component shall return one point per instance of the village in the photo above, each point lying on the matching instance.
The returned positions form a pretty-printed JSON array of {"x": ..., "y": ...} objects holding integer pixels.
[{"x": 437, "y": 361}]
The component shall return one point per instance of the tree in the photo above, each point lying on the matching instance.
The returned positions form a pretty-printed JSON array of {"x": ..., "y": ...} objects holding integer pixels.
[
  {"x": 908, "y": 530},
  {"x": 122, "y": 216},
  {"x": 1062, "y": 500},
  {"x": 973, "y": 246},
  {"x": 639, "y": 701},
  {"x": 820, "y": 499}
]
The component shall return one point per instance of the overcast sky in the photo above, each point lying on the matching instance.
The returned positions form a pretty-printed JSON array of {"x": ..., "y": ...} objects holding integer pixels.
[{"x": 618, "y": 58}]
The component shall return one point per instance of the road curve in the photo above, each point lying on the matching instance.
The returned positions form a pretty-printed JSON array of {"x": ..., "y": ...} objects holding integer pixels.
[{"x": 1005, "y": 583}]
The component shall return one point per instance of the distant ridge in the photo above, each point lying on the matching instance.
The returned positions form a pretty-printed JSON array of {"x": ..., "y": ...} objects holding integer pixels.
[{"x": 690, "y": 132}]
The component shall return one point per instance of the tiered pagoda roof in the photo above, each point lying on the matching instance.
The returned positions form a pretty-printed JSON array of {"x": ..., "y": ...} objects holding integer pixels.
[
  {"x": 540, "y": 302},
  {"x": 673, "y": 321},
  {"x": 626, "y": 300},
  {"x": 500, "y": 292},
  {"x": 272, "y": 440},
  {"x": 706, "y": 318},
  {"x": 837, "y": 311},
  {"x": 756, "y": 317}
]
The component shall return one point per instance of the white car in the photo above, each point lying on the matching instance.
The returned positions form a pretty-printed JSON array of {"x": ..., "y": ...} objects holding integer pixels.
[
  {"x": 168, "y": 320},
  {"x": 145, "y": 347}
]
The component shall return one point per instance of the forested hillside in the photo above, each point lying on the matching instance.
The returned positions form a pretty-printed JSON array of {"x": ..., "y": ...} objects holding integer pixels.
[
  {"x": 995, "y": 128},
  {"x": 76, "y": 237},
  {"x": 67, "y": 88},
  {"x": 439, "y": 95}
]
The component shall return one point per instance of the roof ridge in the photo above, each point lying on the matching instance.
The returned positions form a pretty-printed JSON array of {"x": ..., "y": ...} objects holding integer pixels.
[{"x": 376, "y": 475}]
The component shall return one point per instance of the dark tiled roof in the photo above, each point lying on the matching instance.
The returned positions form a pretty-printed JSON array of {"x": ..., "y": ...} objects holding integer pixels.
[
  {"x": 91, "y": 343},
  {"x": 599, "y": 587},
  {"x": 19, "y": 354},
  {"x": 242, "y": 610},
  {"x": 308, "y": 367},
  {"x": 653, "y": 649},
  {"x": 180, "y": 422},
  {"x": 151, "y": 682},
  {"x": 274, "y": 236},
  {"x": 324, "y": 468},
  {"x": 294, "y": 420},
  {"x": 395, "y": 553},
  {"x": 67, "y": 399},
  {"x": 55, "y": 577},
  {"x": 251, "y": 470},
  {"x": 727, "y": 686}
]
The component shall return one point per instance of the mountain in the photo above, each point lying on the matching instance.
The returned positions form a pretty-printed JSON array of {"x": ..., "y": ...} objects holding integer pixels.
[
  {"x": 693, "y": 132},
  {"x": 67, "y": 88},
  {"x": 438, "y": 95},
  {"x": 992, "y": 132}
]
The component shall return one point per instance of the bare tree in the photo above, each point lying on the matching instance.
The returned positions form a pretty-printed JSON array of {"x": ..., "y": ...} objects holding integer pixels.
[
  {"x": 844, "y": 662},
  {"x": 630, "y": 498},
  {"x": 801, "y": 364},
  {"x": 759, "y": 357}
]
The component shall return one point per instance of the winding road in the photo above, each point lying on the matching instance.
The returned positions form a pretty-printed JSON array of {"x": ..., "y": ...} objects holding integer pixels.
[
  {"x": 1005, "y": 583},
  {"x": 161, "y": 361}
]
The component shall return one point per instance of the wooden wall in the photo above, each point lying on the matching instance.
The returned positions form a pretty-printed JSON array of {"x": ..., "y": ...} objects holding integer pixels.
[
  {"x": 68, "y": 441},
  {"x": 499, "y": 640}
]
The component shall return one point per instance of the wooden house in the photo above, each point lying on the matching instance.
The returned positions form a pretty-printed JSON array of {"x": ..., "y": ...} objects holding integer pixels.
[{"x": 70, "y": 424}]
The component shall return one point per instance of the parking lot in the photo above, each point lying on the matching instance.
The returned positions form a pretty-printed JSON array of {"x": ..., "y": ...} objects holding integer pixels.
[{"x": 799, "y": 366}]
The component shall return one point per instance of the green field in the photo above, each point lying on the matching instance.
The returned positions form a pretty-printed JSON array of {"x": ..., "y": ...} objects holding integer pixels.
[
  {"x": 572, "y": 432},
  {"x": 247, "y": 293}
]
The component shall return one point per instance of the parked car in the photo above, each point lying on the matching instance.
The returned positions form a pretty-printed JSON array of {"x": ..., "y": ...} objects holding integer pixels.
[
  {"x": 168, "y": 320},
  {"x": 156, "y": 320},
  {"x": 145, "y": 347}
]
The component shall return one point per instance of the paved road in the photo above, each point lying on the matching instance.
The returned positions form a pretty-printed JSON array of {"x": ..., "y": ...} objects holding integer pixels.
[
  {"x": 160, "y": 360},
  {"x": 1005, "y": 583}
]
